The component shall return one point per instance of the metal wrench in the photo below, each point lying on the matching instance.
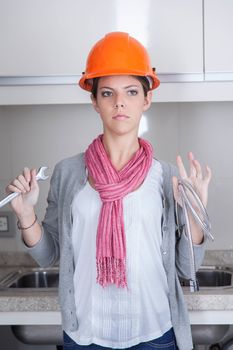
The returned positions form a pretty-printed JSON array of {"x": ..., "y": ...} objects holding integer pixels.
[{"x": 39, "y": 176}]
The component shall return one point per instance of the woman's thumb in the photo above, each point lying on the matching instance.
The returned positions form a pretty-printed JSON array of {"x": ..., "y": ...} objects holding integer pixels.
[{"x": 34, "y": 183}]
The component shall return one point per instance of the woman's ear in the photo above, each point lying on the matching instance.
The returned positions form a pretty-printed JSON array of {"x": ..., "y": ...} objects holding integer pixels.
[
  {"x": 147, "y": 101},
  {"x": 94, "y": 103}
]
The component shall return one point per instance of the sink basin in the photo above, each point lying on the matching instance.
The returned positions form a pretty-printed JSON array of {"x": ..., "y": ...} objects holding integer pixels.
[
  {"x": 207, "y": 276},
  {"x": 212, "y": 277},
  {"x": 52, "y": 334},
  {"x": 39, "y": 334},
  {"x": 36, "y": 278},
  {"x": 208, "y": 334}
]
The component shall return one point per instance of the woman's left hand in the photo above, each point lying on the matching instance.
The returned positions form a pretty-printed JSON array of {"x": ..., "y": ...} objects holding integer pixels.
[{"x": 199, "y": 180}]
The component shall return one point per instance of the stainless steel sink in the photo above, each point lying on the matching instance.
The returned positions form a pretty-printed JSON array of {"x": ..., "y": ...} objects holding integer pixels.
[
  {"x": 208, "y": 334},
  {"x": 34, "y": 278},
  {"x": 52, "y": 334},
  {"x": 212, "y": 277},
  {"x": 39, "y": 278},
  {"x": 39, "y": 334}
]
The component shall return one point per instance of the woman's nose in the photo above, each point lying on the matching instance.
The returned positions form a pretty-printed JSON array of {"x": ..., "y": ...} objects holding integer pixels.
[
  {"x": 119, "y": 101},
  {"x": 119, "y": 105}
]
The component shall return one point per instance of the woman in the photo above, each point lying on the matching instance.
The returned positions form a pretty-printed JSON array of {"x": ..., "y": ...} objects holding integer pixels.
[{"x": 110, "y": 218}]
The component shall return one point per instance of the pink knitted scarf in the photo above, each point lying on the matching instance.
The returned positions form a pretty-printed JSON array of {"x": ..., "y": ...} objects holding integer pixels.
[{"x": 112, "y": 186}]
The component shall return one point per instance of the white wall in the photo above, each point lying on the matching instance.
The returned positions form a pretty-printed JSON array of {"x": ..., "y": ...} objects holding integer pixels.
[{"x": 42, "y": 135}]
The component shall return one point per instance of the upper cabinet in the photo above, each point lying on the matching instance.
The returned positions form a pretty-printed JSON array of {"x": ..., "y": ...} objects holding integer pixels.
[
  {"x": 218, "y": 29},
  {"x": 41, "y": 38},
  {"x": 175, "y": 39},
  {"x": 44, "y": 45}
]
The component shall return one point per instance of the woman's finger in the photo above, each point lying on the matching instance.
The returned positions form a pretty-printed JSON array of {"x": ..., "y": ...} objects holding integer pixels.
[
  {"x": 17, "y": 183},
  {"x": 181, "y": 167},
  {"x": 24, "y": 182},
  {"x": 11, "y": 188},
  {"x": 208, "y": 174},
  {"x": 198, "y": 169},
  {"x": 33, "y": 178},
  {"x": 192, "y": 167},
  {"x": 27, "y": 174}
]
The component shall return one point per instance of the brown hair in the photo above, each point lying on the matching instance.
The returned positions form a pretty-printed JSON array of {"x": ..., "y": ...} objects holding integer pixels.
[{"x": 143, "y": 80}]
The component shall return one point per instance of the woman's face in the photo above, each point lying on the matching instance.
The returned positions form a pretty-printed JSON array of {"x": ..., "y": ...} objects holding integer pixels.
[{"x": 120, "y": 101}]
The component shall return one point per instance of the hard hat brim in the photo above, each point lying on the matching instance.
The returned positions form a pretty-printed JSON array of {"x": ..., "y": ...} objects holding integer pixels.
[{"x": 86, "y": 80}]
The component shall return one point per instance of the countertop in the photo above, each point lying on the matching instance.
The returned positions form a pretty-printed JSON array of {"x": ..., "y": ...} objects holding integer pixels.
[{"x": 207, "y": 306}]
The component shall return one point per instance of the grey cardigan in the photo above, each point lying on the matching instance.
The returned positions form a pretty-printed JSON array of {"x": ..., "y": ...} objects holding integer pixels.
[{"x": 55, "y": 245}]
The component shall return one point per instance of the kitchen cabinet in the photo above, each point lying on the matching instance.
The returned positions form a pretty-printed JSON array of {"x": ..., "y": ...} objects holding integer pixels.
[
  {"x": 175, "y": 39},
  {"x": 44, "y": 38},
  {"x": 218, "y": 27},
  {"x": 44, "y": 46}
]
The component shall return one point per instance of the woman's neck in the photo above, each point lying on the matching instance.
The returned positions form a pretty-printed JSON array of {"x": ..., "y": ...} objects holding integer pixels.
[{"x": 120, "y": 149}]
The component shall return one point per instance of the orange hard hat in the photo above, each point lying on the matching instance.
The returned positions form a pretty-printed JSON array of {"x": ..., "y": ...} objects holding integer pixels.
[{"x": 118, "y": 54}]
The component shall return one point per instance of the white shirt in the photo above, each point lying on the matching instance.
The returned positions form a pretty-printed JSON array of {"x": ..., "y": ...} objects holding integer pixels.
[{"x": 122, "y": 317}]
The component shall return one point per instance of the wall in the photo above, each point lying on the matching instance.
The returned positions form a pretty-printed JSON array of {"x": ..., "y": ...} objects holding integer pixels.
[{"x": 42, "y": 135}]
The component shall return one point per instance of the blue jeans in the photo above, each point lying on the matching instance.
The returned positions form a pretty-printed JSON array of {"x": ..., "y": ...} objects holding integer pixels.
[{"x": 166, "y": 342}]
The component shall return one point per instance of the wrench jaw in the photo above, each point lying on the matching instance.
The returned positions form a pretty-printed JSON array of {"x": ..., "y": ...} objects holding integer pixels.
[{"x": 41, "y": 175}]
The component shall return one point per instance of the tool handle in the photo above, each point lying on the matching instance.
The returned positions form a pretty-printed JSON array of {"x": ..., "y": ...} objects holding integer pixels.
[{"x": 8, "y": 199}]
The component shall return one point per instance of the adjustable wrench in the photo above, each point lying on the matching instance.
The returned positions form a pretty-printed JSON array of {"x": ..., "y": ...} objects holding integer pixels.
[{"x": 39, "y": 176}]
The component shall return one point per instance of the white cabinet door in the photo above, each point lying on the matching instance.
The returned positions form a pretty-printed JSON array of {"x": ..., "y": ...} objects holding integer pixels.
[
  {"x": 176, "y": 36},
  {"x": 218, "y": 19},
  {"x": 42, "y": 38}
]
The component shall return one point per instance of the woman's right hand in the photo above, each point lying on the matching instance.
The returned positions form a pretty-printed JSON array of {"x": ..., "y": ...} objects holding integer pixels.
[{"x": 25, "y": 184}]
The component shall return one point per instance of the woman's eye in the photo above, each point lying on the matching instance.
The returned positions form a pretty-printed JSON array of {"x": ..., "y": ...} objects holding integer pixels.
[
  {"x": 132, "y": 92},
  {"x": 106, "y": 93}
]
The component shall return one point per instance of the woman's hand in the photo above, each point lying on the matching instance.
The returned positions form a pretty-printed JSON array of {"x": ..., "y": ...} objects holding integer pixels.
[
  {"x": 200, "y": 183},
  {"x": 199, "y": 180},
  {"x": 25, "y": 184}
]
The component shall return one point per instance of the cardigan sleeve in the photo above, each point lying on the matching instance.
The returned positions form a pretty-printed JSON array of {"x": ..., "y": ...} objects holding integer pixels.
[{"x": 183, "y": 255}]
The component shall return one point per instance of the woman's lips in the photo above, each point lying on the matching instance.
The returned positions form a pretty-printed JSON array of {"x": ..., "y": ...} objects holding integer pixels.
[{"x": 120, "y": 117}]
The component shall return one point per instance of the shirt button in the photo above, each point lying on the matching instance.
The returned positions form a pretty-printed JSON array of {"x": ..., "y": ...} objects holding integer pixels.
[{"x": 164, "y": 252}]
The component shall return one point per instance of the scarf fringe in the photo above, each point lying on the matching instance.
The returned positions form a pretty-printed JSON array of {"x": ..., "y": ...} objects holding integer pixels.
[{"x": 111, "y": 271}]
